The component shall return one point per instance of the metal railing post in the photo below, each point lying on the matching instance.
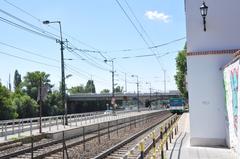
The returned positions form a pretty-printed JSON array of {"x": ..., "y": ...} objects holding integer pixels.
[
  {"x": 13, "y": 126},
  {"x": 31, "y": 126},
  {"x": 5, "y": 134},
  {"x": 63, "y": 141},
  {"x": 108, "y": 131},
  {"x": 31, "y": 147},
  {"x": 70, "y": 120},
  {"x": 99, "y": 135},
  {"x": 57, "y": 123},
  {"x": 50, "y": 122},
  {"x": 19, "y": 129},
  {"x": 84, "y": 144}
]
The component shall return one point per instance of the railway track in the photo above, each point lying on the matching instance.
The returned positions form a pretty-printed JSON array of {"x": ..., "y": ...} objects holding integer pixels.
[
  {"x": 50, "y": 147},
  {"x": 120, "y": 151}
]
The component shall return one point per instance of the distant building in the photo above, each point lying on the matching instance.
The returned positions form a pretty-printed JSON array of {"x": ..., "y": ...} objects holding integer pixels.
[{"x": 207, "y": 53}]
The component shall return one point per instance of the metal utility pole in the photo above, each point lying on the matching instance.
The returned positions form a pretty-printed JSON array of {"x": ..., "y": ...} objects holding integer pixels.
[
  {"x": 9, "y": 83},
  {"x": 40, "y": 105},
  {"x": 125, "y": 82},
  {"x": 150, "y": 90},
  {"x": 164, "y": 73},
  {"x": 137, "y": 91},
  {"x": 113, "y": 90},
  {"x": 92, "y": 84},
  {"x": 63, "y": 86}
]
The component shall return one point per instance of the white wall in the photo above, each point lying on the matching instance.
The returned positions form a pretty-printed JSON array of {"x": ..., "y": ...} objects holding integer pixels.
[
  {"x": 223, "y": 25},
  {"x": 205, "y": 80},
  {"x": 206, "y": 99}
]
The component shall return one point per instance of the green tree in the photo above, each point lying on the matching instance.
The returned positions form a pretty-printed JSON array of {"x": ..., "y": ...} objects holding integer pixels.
[
  {"x": 17, "y": 80},
  {"x": 53, "y": 104},
  {"x": 25, "y": 105},
  {"x": 90, "y": 87},
  {"x": 105, "y": 91},
  {"x": 180, "y": 77},
  {"x": 118, "y": 89},
  {"x": 32, "y": 82},
  {"x": 7, "y": 110},
  {"x": 77, "y": 89}
]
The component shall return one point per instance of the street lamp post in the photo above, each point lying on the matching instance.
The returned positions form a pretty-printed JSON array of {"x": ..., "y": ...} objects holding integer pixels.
[
  {"x": 62, "y": 70},
  {"x": 113, "y": 90},
  {"x": 204, "y": 11},
  {"x": 137, "y": 91}
]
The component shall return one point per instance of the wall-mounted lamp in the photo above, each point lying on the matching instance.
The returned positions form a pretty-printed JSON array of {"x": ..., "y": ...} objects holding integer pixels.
[{"x": 204, "y": 10}]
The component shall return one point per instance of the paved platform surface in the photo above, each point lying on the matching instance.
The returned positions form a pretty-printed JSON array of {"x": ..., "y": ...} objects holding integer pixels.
[{"x": 181, "y": 148}]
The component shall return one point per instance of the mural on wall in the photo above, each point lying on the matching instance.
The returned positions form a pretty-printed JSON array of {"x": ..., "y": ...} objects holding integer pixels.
[
  {"x": 234, "y": 89},
  {"x": 231, "y": 84}
]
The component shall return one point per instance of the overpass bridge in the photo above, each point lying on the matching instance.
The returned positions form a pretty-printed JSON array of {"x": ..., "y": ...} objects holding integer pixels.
[
  {"x": 87, "y": 102},
  {"x": 122, "y": 96}
]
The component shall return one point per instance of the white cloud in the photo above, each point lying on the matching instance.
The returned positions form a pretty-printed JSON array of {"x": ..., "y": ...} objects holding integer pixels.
[{"x": 155, "y": 15}]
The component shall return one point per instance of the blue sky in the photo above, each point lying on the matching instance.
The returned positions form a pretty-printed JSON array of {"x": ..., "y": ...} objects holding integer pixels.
[{"x": 95, "y": 25}]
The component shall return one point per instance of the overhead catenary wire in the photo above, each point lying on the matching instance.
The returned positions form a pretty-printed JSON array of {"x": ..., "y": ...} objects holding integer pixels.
[
  {"x": 95, "y": 49},
  {"x": 80, "y": 75},
  {"x": 45, "y": 57},
  {"x": 89, "y": 51},
  {"x": 147, "y": 48},
  {"x": 64, "y": 33},
  {"x": 26, "y": 29},
  {"x": 87, "y": 61},
  {"x": 29, "y": 60},
  {"x": 29, "y": 24},
  {"x": 139, "y": 23},
  {"x": 135, "y": 27},
  {"x": 28, "y": 52},
  {"x": 42, "y": 32},
  {"x": 133, "y": 24},
  {"x": 146, "y": 55}
]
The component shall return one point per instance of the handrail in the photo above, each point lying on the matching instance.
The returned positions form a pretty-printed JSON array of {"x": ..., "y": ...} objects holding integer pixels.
[{"x": 140, "y": 145}]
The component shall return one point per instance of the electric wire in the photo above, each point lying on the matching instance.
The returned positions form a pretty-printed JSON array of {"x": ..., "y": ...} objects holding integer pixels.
[
  {"x": 87, "y": 61},
  {"x": 28, "y": 24},
  {"x": 28, "y": 52},
  {"x": 139, "y": 23},
  {"x": 29, "y": 60},
  {"x": 25, "y": 28},
  {"x": 39, "y": 20},
  {"x": 48, "y": 58},
  {"x": 133, "y": 24},
  {"x": 100, "y": 52},
  {"x": 141, "y": 26}
]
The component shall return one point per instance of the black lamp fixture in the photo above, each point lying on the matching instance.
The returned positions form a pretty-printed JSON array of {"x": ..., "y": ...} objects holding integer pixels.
[{"x": 204, "y": 11}]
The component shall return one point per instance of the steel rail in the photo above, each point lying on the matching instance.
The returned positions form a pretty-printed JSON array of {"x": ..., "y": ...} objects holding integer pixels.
[
  {"x": 51, "y": 143},
  {"x": 130, "y": 139}
]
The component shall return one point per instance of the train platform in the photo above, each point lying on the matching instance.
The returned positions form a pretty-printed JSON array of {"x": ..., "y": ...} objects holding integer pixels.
[
  {"x": 180, "y": 148},
  {"x": 55, "y": 128}
]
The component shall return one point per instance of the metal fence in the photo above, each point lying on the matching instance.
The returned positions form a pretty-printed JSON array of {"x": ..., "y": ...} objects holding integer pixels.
[{"x": 19, "y": 126}]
